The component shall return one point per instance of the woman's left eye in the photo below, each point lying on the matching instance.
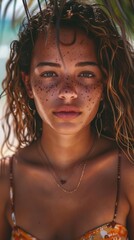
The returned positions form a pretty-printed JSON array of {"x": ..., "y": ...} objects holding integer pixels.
[{"x": 86, "y": 74}]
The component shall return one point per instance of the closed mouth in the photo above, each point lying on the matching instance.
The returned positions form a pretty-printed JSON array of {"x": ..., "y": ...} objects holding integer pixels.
[{"x": 67, "y": 114}]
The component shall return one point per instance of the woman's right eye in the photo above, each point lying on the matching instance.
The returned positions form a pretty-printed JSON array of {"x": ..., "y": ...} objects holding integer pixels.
[{"x": 48, "y": 74}]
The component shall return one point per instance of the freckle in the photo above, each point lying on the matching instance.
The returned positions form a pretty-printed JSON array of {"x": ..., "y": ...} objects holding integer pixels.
[{"x": 46, "y": 100}]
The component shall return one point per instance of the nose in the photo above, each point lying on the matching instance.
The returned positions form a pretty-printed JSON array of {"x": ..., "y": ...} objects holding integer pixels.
[{"x": 68, "y": 93}]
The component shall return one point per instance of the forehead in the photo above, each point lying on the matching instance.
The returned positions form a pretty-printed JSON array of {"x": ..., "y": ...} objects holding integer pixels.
[{"x": 72, "y": 42}]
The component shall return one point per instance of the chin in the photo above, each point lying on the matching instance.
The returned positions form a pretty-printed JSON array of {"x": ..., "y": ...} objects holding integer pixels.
[{"x": 67, "y": 128}]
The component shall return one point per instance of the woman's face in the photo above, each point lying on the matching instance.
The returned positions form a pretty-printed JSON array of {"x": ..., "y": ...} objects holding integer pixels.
[{"x": 67, "y": 84}]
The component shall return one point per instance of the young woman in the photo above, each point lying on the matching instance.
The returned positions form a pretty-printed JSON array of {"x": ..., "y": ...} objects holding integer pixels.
[{"x": 69, "y": 90}]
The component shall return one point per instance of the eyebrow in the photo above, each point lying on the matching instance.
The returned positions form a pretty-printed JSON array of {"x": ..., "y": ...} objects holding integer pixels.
[
  {"x": 83, "y": 64},
  {"x": 51, "y": 64},
  {"x": 80, "y": 64}
]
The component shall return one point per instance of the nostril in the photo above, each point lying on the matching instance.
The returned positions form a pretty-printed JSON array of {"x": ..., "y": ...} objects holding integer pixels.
[
  {"x": 67, "y": 93},
  {"x": 62, "y": 96}
]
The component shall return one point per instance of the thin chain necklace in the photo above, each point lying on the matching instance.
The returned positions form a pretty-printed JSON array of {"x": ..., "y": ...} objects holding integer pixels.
[{"x": 55, "y": 176}]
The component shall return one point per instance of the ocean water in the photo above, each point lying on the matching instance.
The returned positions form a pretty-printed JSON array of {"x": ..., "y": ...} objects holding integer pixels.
[{"x": 7, "y": 35}]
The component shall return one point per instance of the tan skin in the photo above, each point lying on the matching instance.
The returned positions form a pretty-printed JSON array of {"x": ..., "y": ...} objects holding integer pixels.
[{"x": 41, "y": 207}]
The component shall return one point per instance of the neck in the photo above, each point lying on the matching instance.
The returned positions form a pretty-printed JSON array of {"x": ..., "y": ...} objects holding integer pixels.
[{"x": 65, "y": 151}]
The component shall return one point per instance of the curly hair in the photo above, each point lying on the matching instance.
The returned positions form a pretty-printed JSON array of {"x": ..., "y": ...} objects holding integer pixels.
[{"x": 112, "y": 54}]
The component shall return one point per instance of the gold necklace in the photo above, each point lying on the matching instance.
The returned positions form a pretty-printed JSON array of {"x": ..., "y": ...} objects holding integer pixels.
[{"x": 55, "y": 176}]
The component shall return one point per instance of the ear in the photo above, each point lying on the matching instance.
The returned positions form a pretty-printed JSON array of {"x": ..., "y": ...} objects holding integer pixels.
[{"x": 27, "y": 83}]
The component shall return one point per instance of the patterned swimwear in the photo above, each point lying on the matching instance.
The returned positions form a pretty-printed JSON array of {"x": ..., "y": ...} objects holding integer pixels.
[{"x": 108, "y": 231}]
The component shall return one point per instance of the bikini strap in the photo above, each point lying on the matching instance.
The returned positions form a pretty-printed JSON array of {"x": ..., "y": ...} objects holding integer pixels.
[
  {"x": 12, "y": 192},
  {"x": 117, "y": 185}
]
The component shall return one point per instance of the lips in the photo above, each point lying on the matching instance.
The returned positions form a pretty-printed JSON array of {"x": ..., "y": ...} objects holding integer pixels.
[{"x": 67, "y": 112}]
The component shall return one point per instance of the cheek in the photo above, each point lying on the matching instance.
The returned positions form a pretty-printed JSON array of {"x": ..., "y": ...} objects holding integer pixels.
[
  {"x": 92, "y": 96},
  {"x": 42, "y": 91}
]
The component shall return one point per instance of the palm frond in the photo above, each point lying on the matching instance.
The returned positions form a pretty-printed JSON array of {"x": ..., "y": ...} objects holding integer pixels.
[
  {"x": 6, "y": 7},
  {"x": 122, "y": 12}
]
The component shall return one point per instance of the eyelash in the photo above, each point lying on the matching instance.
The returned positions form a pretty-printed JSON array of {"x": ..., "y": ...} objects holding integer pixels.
[
  {"x": 90, "y": 74},
  {"x": 49, "y": 74}
]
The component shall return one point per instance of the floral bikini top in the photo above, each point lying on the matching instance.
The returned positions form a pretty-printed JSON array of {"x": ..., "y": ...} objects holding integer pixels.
[{"x": 108, "y": 231}]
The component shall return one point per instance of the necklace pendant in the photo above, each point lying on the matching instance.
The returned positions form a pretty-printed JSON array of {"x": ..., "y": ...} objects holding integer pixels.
[{"x": 63, "y": 181}]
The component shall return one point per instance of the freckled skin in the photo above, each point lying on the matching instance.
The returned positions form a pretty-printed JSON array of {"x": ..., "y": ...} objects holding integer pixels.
[{"x": 79, "y": 86}]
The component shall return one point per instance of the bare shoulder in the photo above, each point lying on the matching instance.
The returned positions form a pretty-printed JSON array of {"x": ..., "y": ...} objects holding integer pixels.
[
  {"x": 5, "y": 229},
  {"x": 127, "y": 171},
  {"x": 4, "y": 179},
  {"x": 29, "y": 155},
  {"x": 127, "y": 166},
  {"x": 4, "y": 169},
  {"x": 127, "y": 175}
]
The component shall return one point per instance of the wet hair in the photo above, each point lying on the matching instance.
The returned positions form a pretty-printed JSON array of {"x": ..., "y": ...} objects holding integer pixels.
[{"x": 112, "y": 54}]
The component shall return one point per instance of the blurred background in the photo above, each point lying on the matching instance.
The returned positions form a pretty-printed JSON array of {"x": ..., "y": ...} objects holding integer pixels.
[{"x": 7, "y": 35}]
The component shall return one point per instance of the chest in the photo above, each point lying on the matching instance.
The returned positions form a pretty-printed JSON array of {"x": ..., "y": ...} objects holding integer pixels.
[{"x": 41, "y": 207}]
